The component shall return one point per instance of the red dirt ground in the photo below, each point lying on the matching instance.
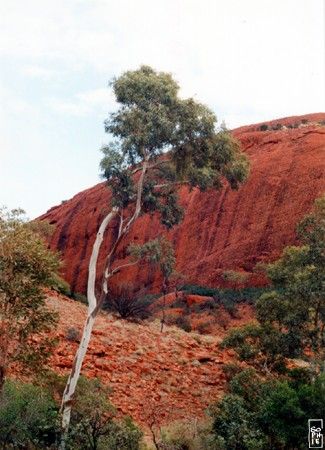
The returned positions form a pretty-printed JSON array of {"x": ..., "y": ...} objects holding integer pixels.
[{"x": 179, "y": 372}]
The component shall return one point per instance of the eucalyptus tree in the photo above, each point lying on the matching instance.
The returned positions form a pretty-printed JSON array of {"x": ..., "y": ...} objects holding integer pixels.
[
  {"x": 26, "y": 267},
  {"x": 291, "y": 316},
  {"x": 159, "y": 141}
]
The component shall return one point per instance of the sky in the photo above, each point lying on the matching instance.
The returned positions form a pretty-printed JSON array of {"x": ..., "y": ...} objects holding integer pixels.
[{"x": 248, "y": 60}]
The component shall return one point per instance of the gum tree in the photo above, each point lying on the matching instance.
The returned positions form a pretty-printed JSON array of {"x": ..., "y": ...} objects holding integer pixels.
[
  {"x": 159, "y": 141},
  {"x": 291, "y": 317},
  {"x": 26, "y": 267}
]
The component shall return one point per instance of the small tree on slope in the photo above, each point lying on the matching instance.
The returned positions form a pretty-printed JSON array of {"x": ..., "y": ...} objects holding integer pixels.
[
  {"x": 143, "y": 177},
  {"x": 26, "y": 266}
]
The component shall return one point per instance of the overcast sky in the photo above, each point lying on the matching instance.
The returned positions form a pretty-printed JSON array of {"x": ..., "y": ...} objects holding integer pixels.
[{"x": 249, "y": 60}]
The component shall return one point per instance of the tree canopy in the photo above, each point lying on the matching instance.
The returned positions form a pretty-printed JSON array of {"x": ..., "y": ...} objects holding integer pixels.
[
  {"x": 292, "y": 315},
  {"x": 152, "y": 120},
  {"x": 26, "y": 266}
]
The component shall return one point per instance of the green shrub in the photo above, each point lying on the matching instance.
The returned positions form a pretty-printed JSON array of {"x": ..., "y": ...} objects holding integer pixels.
[
  {"x": 259, "y": 414},
  {"x": 187, "y": 435},
  {"x": 247, "y": 295},
  {"x": 264, "y": 127},
  {"x": 183, "y": 323},
  {"x": 93, "y": 425},
  {"x": 199, "y": 290},
  {"x": 127, "y": 306},
  {"x": 124, "y": 435},
  {"x": 235, "y": 276},
  {"x": 79, "y": 297},
  {"x": 28, "y": 417},
  {"x": 73, "y": 334},
  {"x": 61, "y": 286}
]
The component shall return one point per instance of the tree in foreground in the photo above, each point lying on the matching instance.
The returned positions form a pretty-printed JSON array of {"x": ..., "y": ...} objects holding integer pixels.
[
  {"x": 28, "y": 417},
  {"x": 264, "y": 414},
  {"x": 93, "y": 422},
  {"x": 26, "y": 266},
  {"x": 291, "y": 317},
  {"x": 160, "y": 142}
]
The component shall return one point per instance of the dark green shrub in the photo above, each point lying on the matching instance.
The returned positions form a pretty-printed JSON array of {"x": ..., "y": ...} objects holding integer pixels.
[
  {"x": 247, "y": 295},
  {"x": 73, "y": 334},
  {"x": 79, "y": 297},
  {"x": 264, "y": 127},
  {"x": 277, "y": 126},
  {"x": 304, "y": 121},
  {"x": 93, "y": 425},
  {"x": 124, "y": 435},
  {"x": 128, "y": 306},
  {"x": 208, "y": 305},
  {"x": 28, "y": 417},
  {"x": 183, "y": 323},
  {"x": 61, "y": 286},
  {"x": 259, "y": 414},
  {"x": 199, "y": 290}
]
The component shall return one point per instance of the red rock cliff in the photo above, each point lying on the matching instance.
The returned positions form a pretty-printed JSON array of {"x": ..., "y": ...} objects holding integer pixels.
[{"x": 221, "y": 230}]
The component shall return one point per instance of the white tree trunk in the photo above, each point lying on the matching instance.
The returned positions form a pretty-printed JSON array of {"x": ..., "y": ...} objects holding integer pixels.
[
  {"x": 91, "y": 315},
  {"x": 93, "y": 304}
]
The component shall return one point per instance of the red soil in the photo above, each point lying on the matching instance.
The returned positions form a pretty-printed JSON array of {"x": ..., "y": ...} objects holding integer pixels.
[
  {"x": 176, "y": 372},
  {"x": 221, "y": 230}
]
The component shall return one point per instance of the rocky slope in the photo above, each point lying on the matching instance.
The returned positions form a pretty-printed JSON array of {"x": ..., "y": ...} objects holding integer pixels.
[
  {"x": 221, "y": 230},
  {"x": 174, "y": 374}
]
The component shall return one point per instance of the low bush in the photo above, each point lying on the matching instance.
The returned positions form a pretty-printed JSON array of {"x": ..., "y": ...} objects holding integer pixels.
[
  {"x": 235, "y": 276},
  {"x": 79, "y": 297},
  {"x": 127, "y": 306},
  {"x": 73, "y": 334},
  {"x": 264, "y": 127},
  {"x": 28, "y": 417},
  {"x": 61, "y": 286},
  {"x": 248, "y": 295},
  {"x": 93, "y": 423},
  {"x": 205, "y": 327},
  {"x": 187, "y": 435},
  {"x": 183, "y": 323},
  {"x": 277, "y": 126}
]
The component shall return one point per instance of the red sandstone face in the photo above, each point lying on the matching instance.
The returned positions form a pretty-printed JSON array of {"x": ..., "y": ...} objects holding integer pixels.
[{"x": 221, "y": 230}]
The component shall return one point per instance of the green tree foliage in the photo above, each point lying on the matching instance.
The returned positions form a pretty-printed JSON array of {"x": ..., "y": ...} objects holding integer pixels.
[
  {"x": 26, "y": 266},
  {"x": 158, "y": 252},
  {"x": 28, "y": 417},
  {"x": 93, "y": 425},
  {"x": 267, "y": 415},
  {"x": 153, "y": 119},
  {"x": 291, "y": 317}
]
